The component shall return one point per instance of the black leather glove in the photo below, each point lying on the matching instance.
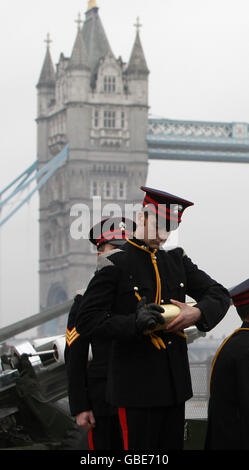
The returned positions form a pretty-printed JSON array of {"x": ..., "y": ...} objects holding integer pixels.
[{"x": 148, "y": 315}]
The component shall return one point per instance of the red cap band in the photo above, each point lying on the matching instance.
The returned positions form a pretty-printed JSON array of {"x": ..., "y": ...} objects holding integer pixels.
[{"x": 114, "y": 234}]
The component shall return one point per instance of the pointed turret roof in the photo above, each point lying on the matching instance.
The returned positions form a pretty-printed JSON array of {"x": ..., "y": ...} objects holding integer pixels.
[
  {"x": 47, "y": 75},
  {"x": 94, "y": 36},
  {"x": 137, "y": 62},
  {"x": 79, "y": 57}
]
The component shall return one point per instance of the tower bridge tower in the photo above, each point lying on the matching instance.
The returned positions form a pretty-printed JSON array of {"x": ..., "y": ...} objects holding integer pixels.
[{"x": 98, "y": 105}]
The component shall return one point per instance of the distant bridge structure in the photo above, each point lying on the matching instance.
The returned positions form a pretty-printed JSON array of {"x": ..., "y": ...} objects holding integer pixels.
[{"x": 169, "y": 139}]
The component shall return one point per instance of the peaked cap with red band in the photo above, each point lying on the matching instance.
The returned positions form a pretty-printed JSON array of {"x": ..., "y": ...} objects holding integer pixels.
[
  {"x": 165, "y": 205},
  {"x": 113, "y": 230},
  {"x": 240, "y": 296}
]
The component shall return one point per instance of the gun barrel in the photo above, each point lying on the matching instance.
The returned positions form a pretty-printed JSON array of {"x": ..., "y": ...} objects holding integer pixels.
[{"x": 35, "y": 320}]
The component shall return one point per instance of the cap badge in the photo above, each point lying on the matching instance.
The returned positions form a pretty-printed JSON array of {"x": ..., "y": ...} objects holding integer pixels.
[{"x": 122, "y": 226}]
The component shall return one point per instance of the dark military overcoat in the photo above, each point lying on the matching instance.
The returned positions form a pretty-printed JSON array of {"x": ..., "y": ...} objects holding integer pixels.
[
  {"x": 228, "y": 415},
  {"x": 86, "y": 372},
  {"x": 139, "y": 374}
]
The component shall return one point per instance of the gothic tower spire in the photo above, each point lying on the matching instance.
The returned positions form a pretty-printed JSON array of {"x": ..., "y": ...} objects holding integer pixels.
[
  {"x": 46, "y": 83},
  {"x": 47, "y": 75},
  {"x": 79, "y": 56},
  {"x": 94, "y": 36},
  {"x": 137, "y": 63}
]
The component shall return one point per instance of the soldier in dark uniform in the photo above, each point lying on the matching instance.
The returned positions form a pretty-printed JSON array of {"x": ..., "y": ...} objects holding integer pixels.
[
  {"x": 87, "y": 380},
  {"x": 228, "y": 414},
  {"x": 148, "y": 376}
]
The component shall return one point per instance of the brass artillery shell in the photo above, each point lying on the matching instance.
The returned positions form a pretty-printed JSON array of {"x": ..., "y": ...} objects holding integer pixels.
[{"x": 171, "y": 311}]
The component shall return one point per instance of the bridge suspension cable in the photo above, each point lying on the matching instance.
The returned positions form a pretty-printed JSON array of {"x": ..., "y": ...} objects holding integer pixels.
[{"x": 26, "y": 178}]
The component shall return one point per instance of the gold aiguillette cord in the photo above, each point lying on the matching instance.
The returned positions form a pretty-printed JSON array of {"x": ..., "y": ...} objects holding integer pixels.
[{"x": 156, "y": 340}]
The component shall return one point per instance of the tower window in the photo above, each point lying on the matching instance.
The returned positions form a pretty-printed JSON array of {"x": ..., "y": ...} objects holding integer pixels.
[
  {"x": 121, "y": 190},
  {"x": 96, "y": 118},
  {"x": 109, "y": 84},
  {"x": 60, "y": 243},
  {"x": 94, "y": 188},
  {"x": 107, "y": 190},
  {"x": 109, "y": 119},
  {"x": 123, "y": 119}
]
